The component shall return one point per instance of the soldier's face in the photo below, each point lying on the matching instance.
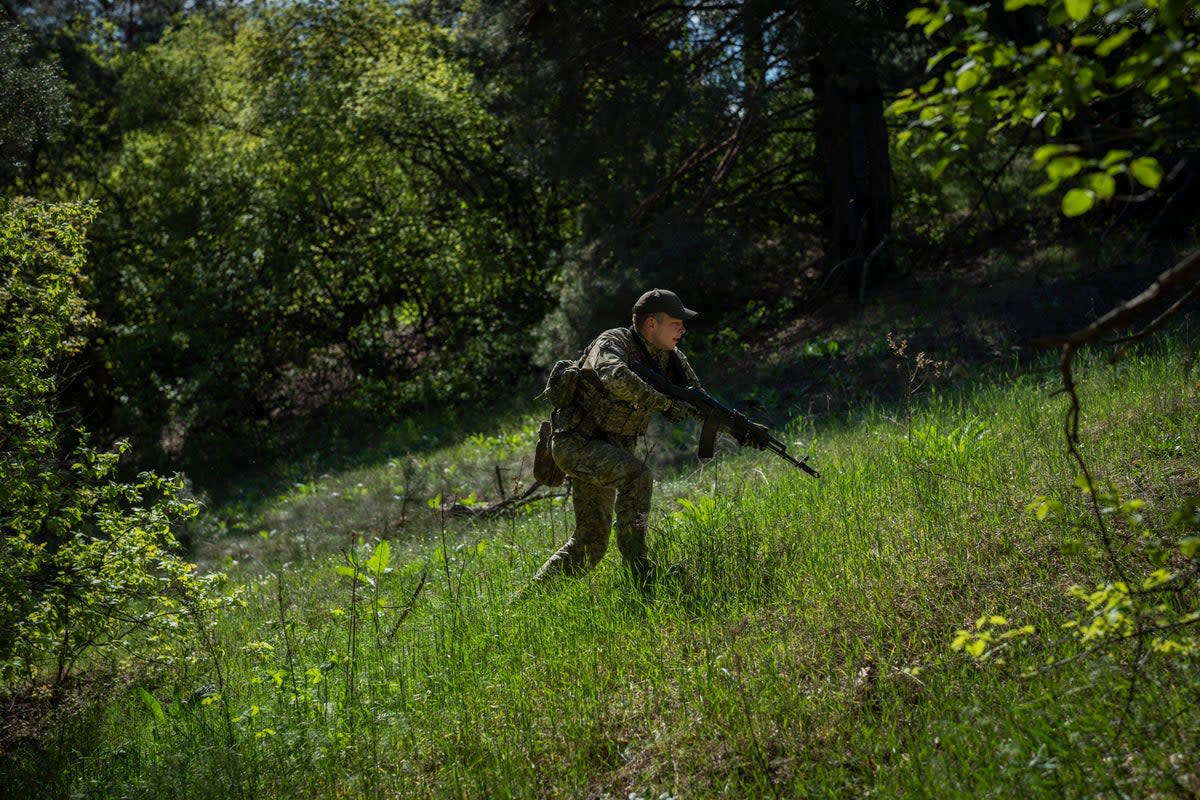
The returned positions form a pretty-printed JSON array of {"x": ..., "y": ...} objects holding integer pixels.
[{"x": 664, "y": 331}]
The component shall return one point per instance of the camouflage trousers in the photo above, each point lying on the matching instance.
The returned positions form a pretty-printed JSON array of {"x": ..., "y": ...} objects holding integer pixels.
[{"x": 604, "y": 475}]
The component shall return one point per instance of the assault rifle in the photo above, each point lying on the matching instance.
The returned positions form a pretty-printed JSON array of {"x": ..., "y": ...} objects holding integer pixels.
[{"x": 716, "y": 416}]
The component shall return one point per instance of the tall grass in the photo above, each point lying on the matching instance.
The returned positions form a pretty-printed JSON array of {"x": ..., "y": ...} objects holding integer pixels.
[{"x": 799, "y": 647}]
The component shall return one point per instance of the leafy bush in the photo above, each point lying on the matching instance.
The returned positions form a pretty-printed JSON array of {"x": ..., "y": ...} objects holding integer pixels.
[{"x": 86, "y": 562}]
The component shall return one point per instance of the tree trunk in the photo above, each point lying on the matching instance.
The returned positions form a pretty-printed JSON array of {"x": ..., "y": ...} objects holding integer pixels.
[
  {"x": 754, "y": 55},
  {"x": 851, "y": 148}
]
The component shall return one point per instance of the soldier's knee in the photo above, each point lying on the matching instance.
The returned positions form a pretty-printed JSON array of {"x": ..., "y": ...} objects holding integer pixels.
[{"x": 641, "y": 481}]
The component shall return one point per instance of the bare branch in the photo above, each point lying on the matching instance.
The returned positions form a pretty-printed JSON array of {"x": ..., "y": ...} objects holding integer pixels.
[
  {"x": 1129, "y": 341},
  {"x": 410, "y": 605}
]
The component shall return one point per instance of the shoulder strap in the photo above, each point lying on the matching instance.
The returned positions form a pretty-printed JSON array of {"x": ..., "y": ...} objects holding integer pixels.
[
  {"x": 675, "y": 365},
  {"x": 642, "y": 346},
  {"x": 583, "y": 356}
]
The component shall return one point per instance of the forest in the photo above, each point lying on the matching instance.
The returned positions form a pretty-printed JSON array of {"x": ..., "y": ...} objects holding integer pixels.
[{"x": 282, "y": 284}]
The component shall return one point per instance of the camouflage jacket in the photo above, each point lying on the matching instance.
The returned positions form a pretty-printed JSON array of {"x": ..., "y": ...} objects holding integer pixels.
[{"x": 616, "y": 401}]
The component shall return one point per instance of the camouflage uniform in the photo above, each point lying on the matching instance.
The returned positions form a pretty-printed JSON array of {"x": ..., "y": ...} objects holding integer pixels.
[{"x": 594, "y": 441}]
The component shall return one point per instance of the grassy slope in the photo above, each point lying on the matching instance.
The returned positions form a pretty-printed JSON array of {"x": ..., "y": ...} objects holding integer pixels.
[{"x": 779, "y": 664}]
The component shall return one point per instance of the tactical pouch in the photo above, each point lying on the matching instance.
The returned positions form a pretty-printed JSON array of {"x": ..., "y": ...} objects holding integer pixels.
[
  {"x": 560, "y": 385},
  {"x": 570, "y": 419},
  {"x": 545, "y": 469}
]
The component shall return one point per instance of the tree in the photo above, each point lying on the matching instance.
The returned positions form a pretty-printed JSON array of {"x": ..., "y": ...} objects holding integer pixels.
[
  {"x": 682, "y": 143},
  {"x": 33, "y": 102},
  {"x": 81, "y": 43},
  {"x": 1099, "y": 95}
]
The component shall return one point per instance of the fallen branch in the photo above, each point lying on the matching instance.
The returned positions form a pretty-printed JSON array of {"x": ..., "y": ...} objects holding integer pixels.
[{"x": 505, "y": 506}]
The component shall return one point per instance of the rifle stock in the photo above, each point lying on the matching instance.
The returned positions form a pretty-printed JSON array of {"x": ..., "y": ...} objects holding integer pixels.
[{"x": 716, "y": 416}]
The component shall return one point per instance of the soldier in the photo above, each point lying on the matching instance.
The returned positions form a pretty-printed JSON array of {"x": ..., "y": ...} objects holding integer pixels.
[{"x": 594, "y": 437}]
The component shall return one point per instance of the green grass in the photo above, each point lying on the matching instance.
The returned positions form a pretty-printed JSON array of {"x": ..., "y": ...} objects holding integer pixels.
[{"x": 803, "y": 651}]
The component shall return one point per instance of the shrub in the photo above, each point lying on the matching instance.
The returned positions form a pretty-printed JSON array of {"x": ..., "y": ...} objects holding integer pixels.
[{"x": 87, "y": 562}]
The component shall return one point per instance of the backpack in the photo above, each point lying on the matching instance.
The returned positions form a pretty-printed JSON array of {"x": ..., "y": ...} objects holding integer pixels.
[
  {"x": 560, "y": 383},
  {"x": 560, "y": 391},
  {"x": 562, "y": 380}
]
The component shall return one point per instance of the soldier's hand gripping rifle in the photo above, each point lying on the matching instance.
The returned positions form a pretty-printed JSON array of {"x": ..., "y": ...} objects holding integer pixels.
[{"x": 717, "y": 416}]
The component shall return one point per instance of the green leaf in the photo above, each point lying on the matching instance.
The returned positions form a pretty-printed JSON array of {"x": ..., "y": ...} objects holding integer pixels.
[
  {"x": 378, "y": 562},
  {"x": 1146, "y": 171},
  {"x": 1113, "y": 42},
  {"x": 1114, "y": 156},
  {"x": 1046, "y": 508},
  {"x": 1159, "y": 84},
  {"x": 1157, "y": 578},
  {"x": 1103, "y": 185},
  {"x": 1077, "y": 202},
  {"x": 1079, "y": 9},
  {"x": 152, "y": 704},
  {"x": 967, "y": 80},
  {"x": 935, "y": 24},
  {"x": 933, "y": 61},
  {"x": 1189, "y": 545},
  {"x": 1064, "y": 167},
  {"x": 1053, "y": 123},
  {"x": 919, "y": 16},
  {"x": 1046, "y": 152}
]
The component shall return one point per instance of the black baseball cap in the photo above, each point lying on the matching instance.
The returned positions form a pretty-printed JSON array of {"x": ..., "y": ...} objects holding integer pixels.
[{"x": 662, "y": 300}]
